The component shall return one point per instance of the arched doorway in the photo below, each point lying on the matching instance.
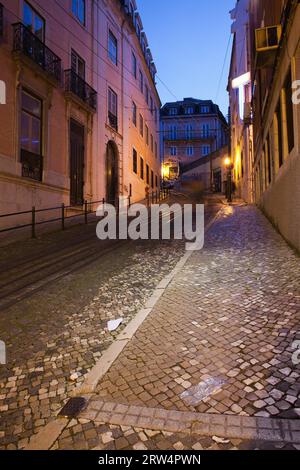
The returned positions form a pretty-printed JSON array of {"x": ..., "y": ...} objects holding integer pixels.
[{"x": 111, "y": 172}]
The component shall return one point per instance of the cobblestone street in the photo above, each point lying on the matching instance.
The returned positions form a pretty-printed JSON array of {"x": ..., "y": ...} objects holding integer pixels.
[
  {"x": 229, "y": 316},
  {"x": 55, "y": 336},
  {"x": 232, "y": 315}
]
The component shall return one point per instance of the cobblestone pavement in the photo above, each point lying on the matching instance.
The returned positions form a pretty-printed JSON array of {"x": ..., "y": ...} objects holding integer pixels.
[
  {"x": 83, "y": 435},
  {"x": 56, "y": 336},
  {"x": 231, "y": 314}
]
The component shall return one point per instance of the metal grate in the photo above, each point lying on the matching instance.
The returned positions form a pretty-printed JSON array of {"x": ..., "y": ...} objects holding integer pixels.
[{"x": 73, "y": 407}]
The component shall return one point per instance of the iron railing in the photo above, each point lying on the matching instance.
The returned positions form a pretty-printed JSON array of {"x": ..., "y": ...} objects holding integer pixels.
[
  {"x": 1, "y": 20},
  {"x": 88, "y": 209},
  {"x": 32, "y": 165},
  {"x": 31, "y": 46},
  {"x": 76, "y": 85},
  {"x": 113, "y": 120},
  {"x": 189, "y": 136}
]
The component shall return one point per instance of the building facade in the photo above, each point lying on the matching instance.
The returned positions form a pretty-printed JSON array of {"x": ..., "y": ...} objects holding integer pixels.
[
  {"x": 274, "y": 51},
  {"x": 82, "y": 109},
  {"x": 200, "y": 170},
  {"x": 277, "y": 115},
  {"x": 191, "y": 129},
  {"x": 240, "y": 93}
]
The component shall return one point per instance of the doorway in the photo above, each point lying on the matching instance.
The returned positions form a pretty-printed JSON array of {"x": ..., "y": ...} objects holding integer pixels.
[
  {"x": 111, "y": 173},
  {"x": 77, "y": 132}
]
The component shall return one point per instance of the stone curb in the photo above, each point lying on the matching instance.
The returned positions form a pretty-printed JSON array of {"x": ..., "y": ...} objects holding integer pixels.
[
  {"x": 39, "y": 441},
  {"x": 226, "y": 426}
]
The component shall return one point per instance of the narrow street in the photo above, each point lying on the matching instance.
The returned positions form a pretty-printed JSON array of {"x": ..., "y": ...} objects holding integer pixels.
[
  {"x": 237, "y": 331},
  {"x": 55, "y": 306},
  {"x": 149, "y": 232},
  {"x": 230, "y": 314}
]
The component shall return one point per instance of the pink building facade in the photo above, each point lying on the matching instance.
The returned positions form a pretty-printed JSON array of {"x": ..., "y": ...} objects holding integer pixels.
[{"x": 81, "y": 114}]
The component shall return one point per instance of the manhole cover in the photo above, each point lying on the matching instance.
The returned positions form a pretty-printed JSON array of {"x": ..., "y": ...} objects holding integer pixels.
[{"x": 73, "y": 407}]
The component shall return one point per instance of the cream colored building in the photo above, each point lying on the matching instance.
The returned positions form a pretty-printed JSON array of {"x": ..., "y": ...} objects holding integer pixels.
[
  {"x": 276, "y": 70},
  {"x": 77, "y": 72},
  {"x": 240, "y": 92}
]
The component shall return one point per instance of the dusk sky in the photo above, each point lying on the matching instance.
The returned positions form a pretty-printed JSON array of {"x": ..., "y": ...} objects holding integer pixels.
[{"x": 188, "y": 40}]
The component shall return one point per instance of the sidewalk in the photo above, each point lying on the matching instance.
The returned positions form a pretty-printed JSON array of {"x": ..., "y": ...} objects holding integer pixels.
[{"x": 231, "y": 314}]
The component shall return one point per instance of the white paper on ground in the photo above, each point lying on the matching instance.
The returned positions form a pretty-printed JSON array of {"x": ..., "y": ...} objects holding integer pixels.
[{"x": 112, "y": 325}]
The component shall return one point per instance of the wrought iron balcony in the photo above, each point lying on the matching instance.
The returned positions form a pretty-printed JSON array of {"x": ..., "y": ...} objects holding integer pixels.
[
  {"x": 113, "y": 120},
  {"x": 77, "y": 86},
  {"x": 32, "y": 165},
  {"x": 185, "y": 136},
  {"x": 28, "y": 44},
  {"x": 1, "y": 20}
]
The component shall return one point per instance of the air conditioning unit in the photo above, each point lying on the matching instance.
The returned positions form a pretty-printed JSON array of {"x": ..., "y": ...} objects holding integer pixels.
[
  {"x": 267, "y": 42},
  {"x": 268, "y": 38}
]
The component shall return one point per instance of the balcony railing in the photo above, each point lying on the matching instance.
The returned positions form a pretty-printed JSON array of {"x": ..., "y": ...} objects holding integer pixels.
[
  {"x": 1, "y": 20},
  {"x": 31, "y": 46},
  {"x": 76, "y": 85},
  {"x": 113, "y": 120},
  {"x": 32, "y": 165},
  {"x": 189, "y": 136}
]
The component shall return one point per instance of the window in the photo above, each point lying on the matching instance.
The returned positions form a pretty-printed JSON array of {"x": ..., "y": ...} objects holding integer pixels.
[
  {"x": 147, "y": 174},
  {"x": 152, "y": 179},
  {"x": 134, "y": 66},
  {"x": 112, "y": 109},
  {"x": 31, "y": 136},
  {"x": 279, "y": 135},
  {"x": 134, "y": 113},
  {"x": 189, "y": 110},
  {"x": 173, "y": 151},
  {"x": 204, "y": 109},
  {"x": 78, "y": 10},
  {"x": 134, "y": 161},
  {"x": 141, "y": 125},
  {"x": 189, "y": 131},
  {"x": 190, "y": 151},
  {"x": 113, "y": 48},
  {"x": 77, "y": 64},
  {"x": 205, "y": 150},
  {"x": 152, "y": 143},
  {"x": 34, "y": 21},
  {"x": 173, "y": 111},
  {"x": 173, "y": 132},
  {"x": 205, "y": 130},
  {"x": 151, "y": 105},
  {"x": 141, "y": 82},
  {"x": 142, "y": 168},
  {"x": 289, "y": 112},
  {"x": 156, "y": 150},
  {"x": 147, "y": 94},
  {"x": 156, "y": 181},
  {"x": 147, "y": 134}
]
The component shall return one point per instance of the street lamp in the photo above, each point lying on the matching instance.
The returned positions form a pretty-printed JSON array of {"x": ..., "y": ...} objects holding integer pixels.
[{"x": 229, "y": 166}]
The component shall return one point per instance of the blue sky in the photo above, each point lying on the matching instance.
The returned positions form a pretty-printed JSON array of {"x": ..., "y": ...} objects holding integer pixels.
[{"x": 188, "y": 39}]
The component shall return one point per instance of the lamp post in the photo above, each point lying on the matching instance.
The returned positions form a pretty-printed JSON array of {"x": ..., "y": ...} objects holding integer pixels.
[{"x": 229, "y": 166}]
